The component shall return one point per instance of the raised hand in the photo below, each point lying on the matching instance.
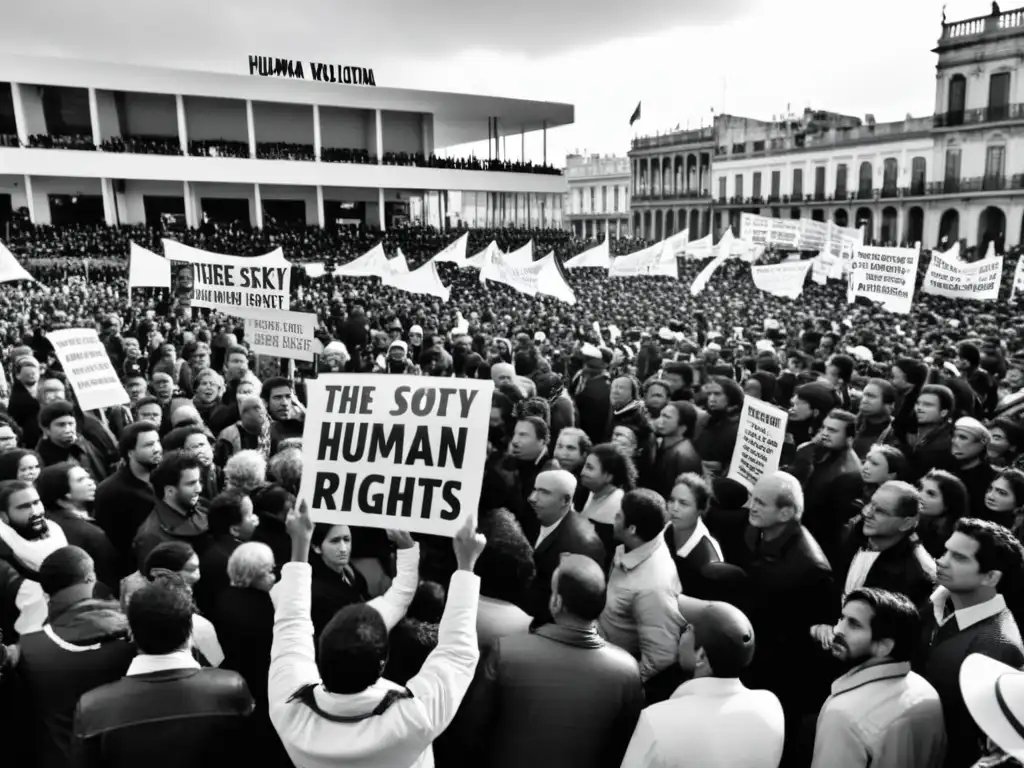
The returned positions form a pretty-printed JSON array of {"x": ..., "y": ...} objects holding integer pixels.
[
  {"x": 468, "y": 544},
  {"x": 402, "y": 539}
]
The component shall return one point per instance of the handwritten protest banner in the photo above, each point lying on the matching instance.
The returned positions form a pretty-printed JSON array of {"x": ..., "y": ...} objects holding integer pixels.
[
  {"x": 282, "y": 334},
  {"x": 762, "y": 431},
  {"x": 653, "y": 260},
  {"x": 1018, "y": 278},
  {"x": 785, "y": 280},
  {"x": 884, "y": 275},
  {"x": 956, "y": 279},
  {"x": 88, "y": 368},
  {"x": 541, "y": 276},
  {"x": 403, "y": 452},
  {"x": 216, "y": 281}
]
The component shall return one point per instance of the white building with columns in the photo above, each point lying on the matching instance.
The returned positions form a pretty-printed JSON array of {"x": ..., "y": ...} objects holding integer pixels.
[
  {"x": 597, "y": 203},
  {"x": 281, "y": 134},
  {"x": 956, "y": 174}
]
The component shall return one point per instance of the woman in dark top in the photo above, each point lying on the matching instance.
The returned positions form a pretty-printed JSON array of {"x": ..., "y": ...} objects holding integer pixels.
[
  {"x": 335, "y": 582},
  {"x": 689, "y": 540},
  {"x": 943, "y": 502}
]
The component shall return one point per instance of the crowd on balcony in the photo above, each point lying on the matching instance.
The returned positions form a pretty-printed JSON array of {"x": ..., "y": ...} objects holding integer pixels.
[
  {"x": 677, "y": 609},
  {"x": 284, "y": 150},
  {"x": 9, "y": 140},
  {"x": 218, "y": 148},
  {"x": 345, "y": 155},
  {"x": 143, "y": 145},
  {"x": 61, "y": 141}
]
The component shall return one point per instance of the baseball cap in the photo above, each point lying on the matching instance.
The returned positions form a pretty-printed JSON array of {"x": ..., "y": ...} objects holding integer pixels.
[{"x": 994, "y": 695}]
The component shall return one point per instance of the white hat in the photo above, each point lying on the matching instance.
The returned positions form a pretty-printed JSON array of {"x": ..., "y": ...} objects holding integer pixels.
[
  {"x": 336, "y": 348},
  {"x": 714, "y": 346},
  {"x": 416, "y": 329},
  {"x": 861, "y": 353},
  {"x": 589, "y": 350},
  {"x": 764, "y": 345},
  {"x": 994, "y": 695},
  {"x": 539, "y": 337},
  {"x": 665, "y": 334}
]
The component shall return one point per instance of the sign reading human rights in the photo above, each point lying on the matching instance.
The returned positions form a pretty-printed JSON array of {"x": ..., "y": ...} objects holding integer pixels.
[
  {"x": 281, "y": 334},
  {"x": 884, "y": 275},
  {"x": 229, "y": 283},
  {"x": 759, "y": 440},
  {"x": 88, "y": 368},
  {"x": 399, "y": 451},
  {"x": 272, "y": 66}
]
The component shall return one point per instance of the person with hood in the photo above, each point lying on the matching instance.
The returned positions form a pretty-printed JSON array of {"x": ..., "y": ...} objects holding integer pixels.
[
  {"x": 627, "y": 407},
  {"x": 396, "y": 361},
  {"x": 591, "y": 391},
  {"x": 563, "y": 411},
  {"x": 84, "y": 644},
  {"x": 968, "y": 361},
  {"x": 717, "y": 440}
]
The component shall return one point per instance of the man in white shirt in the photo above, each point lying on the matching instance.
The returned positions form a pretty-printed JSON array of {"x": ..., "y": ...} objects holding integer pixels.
[
  {"x": 338, "y": 710},
  {"x": 712, "y": 720}
]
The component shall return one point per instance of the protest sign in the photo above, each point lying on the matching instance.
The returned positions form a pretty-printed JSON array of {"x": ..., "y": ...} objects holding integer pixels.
[
  {"x": 542, "y": 276},
  {"x": 282, "y": 334},
  {"x": 655, "y": 260},
  {"x": 762, "y": 431},
  {"x": 785, "y": 280},
  {"x": 88, "y": 368},
  {"x": 225, "y": 283},
  {"x": 477, "y": 261},
  {"x": 147, "y": 269},
  {"x": 1018, "y": 278},
  {"x": 397, "y": 451},
  {"x": 521, "y": 257},
  {"x": 885, "y": 275},
  {"x": 314, "y": 268},
  {"x": 957, "y": 279}
]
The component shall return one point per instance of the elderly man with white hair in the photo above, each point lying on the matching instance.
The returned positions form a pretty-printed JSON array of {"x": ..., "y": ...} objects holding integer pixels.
[
  {"x": 250, "y": 433},
  {"x": 788, "y": 588},
  {"x": 562, "y": 530}
]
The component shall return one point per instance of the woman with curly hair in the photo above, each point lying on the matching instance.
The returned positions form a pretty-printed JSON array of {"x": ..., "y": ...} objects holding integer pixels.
[{"x": 608, "y": 473}]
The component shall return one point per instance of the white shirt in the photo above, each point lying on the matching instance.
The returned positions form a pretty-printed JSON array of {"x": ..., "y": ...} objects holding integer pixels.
[
  {"x": 603, "y": 510},
  {"x": 547, "y": 530},
  {"x": 699, "y": 532},
  {"x": 965, "y": 617},
  {"x": 402, "y": 735},
  {"x": 144, "y": 664},
  {"x": 859, "y": 567},
  {"x": 709, "y": 722}
]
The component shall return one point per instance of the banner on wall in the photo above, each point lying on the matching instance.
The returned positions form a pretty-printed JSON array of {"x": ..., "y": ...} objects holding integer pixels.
[
  {"x": 87, "y": 365},
  {"x": 759, "y": 441},
  {"x": 597, "y": 256},
  {"x": 784, "y": 280},
  {"x": 884, "y": 275},
  {"x": 147, "y": 269},
  {"x": 227, "y": 283},
  {"x": 281, "y": 334},
  {"x": 403, "y": 452},
  {"x": 957, "y": 279}
]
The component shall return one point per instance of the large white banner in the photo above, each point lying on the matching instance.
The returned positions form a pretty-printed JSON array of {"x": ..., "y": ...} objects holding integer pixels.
[
  {"x": 598, "y": 256},
  {"x": 424, "y": 280},
  {"x": 397, "y": 451},
  {"x": 10, "y": 267},
  {"x": 657, "y": 260},
  {"x": 477, "y": 261},
  {"x": 454, "y": 253},
  {"x": 521, "y": 257},
  {"x": 227, "y": 283},
  {"x": 87, "y": 365},
  {"x": 280, "y": 334},
  {"x": 147, "y": 269},
  {"x": 785, "y": 280},
  {"x": 541, "y": 277},
  {"x": 885, "y": 275},
  {"x": 701, "y": 249},
  {"x": 1018, "y": 278},
  {"x": 759, "y": 441},
  {"x": 373, "y": 263},
  {"x": 677, "y": 243},
  {"x": 957, "y": 279},
  {"x": 724, "y": 249},
  {"x": 800, "y": 234}
]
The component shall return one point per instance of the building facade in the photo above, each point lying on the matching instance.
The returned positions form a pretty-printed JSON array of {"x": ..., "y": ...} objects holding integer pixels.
[
  {"x": 597, "y": 202},
  {"x": 956, "y": 174},
  {"x": 671, "y": 178},
  {"x": 98, "y": 142}
]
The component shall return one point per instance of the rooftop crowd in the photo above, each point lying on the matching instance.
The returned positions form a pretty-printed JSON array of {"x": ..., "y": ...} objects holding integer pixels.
[{"x": 615, "y": 600}]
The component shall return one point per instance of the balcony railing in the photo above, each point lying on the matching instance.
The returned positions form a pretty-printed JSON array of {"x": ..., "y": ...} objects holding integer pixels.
[
  {"x": 993, "y": 24},
  {"x": 687, "y": 195},
  {"x": 675, "y": 138},
  {"x": 980, "y": 116}
]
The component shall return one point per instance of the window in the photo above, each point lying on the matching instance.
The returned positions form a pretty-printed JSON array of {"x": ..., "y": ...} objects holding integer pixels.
[
  {"x": 819, "y": 182},
  {"x": 890, "y": 174},
  {"x": 952, "y": 175},
  {"x": 995, "y": 157},
  {"x": 759, "y": 146},
  {"x": 798, "y": 183},
  {"x": 604, "y": 199},
  {"x": 956, "y": 100},
  {"x": 864, "y": 183},
  {"x": 593, "y": 200},
  {"x": 739, "y": 149},
  {"x": 918, "y": 172},
  {"x": 617, "y": 198},
  {"x": 739, "y": 187},
  {"x": 757, "y": 184},
  {"x": 721, "y": 187},
  {"x": 999, "y": 96},
  {"x": 841, "y": 192},
  {"x": 776, "y": 183}
]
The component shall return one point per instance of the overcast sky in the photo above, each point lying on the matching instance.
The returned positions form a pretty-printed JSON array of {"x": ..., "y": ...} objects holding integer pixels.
[{"x": 680, "y": 57}]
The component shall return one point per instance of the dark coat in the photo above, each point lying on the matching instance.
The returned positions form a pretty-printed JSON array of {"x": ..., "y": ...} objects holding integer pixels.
[
  {"x": 595, "y": 408},
  {"x": 931, "y": 452},
  {"x": 574, "y": 535},
  {"x": 24, "y": 409},
  {"x": 330, "y": 592},
  {"x": 691, "y": 567},
  {"x": 906, "y": 567},
  {"x": 832, "y": 495},
  {"x": 86, "y": 533},
  {"x": 123, "y": 502},
  {"x": 82, "y": 452},
  {"x": 213, "y": 568},
  {"x": 578, "y": 697},
  {"x": 166, "y": 524}
]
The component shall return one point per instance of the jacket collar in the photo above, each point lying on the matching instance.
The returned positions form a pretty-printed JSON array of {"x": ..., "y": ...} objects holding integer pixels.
[
  {"x": 145, "y": 664},
  {"x": 350, "y": 704},
  {"x": 574, "y": 636},
  {"x": 709, "y": 686},
  {"x": 637, "y": 557},
  {"x": 870, "y": 672},
  {"x": 771, "y": 550},
  {"x": 966, "y": 617}
]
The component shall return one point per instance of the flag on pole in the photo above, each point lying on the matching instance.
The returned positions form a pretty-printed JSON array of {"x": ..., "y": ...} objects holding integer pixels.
[{"x": 636, "y": 114}]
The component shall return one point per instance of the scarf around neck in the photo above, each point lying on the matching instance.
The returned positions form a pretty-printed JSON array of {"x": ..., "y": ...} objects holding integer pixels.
[{"x": 31, "y": 552}]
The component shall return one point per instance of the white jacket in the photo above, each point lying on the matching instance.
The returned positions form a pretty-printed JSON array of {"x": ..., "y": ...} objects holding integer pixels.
[{"x": 401, "y": 736}]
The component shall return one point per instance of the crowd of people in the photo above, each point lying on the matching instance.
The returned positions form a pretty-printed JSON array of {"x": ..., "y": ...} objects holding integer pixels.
[
  {"x": 143, "y": 145},
  {"x": 616, "y": 599}
]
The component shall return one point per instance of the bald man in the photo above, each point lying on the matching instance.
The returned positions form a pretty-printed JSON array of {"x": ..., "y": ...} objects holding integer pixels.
[
  {"x": 576, "y": 695},
  {"x": 562, "y": 530},
  {"x": 699, "y": 724}
]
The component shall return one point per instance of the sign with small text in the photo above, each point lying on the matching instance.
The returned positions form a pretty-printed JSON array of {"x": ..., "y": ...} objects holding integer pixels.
[
  {"x": 88, "y": 368},
  {"x": 759, "y": 440}
]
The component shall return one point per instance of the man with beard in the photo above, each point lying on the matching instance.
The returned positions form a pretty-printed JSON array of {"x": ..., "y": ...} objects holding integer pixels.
[
  {"x": 880, "y": 713},
  {"x": 287, "y": 416},
  {"x": 969, "y": 449},
  {"x": 700, "y": 724},
  {"x": 124, "y": 500},
  {"x": 176, "y": 515},
  {"x": 716, "y": 441},
  {"x": 26, "y": 538},
  {"x": 874, "y": 416}
]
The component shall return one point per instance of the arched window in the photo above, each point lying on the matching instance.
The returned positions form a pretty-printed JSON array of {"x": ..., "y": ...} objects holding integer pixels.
[
  {"x": 890, "y": 177},
  {"x": 864, "y": 182}
]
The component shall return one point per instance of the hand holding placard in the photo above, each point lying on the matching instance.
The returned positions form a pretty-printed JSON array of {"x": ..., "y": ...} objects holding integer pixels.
[{"x": 468, "y": 544}]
